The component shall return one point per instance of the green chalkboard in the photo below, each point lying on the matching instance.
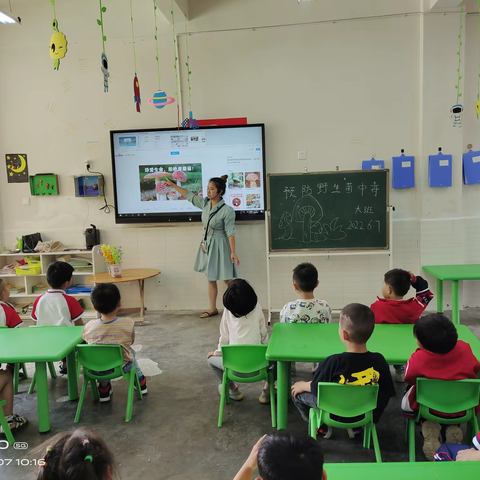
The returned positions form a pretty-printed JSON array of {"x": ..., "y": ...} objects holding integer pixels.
[{"x": 330, "y": 210}]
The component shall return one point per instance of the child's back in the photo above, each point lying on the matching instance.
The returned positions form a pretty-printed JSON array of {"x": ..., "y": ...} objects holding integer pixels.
[
  {"x": 357, "y": 366},
  {"x": 8, "y": 315},
  {"x": 392, "y": 308},
  {"x": 307, "y": 309},
  {"x": 56, "y": 307},
  {"x": 439, "y": 356}
]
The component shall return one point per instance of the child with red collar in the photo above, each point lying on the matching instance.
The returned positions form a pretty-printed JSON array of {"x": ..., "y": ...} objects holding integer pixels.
[
  {"x": 393, "y": 309},
  {"x": 8, "y": 315}
]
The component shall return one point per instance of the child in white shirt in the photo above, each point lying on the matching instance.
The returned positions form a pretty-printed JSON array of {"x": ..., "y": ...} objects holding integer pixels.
[
  {"x": 243, "y": 323},
  {"x": 307, "y": 309}
]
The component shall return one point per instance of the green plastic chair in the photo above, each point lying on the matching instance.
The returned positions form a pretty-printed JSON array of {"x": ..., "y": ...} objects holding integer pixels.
[
  {"x": 245, "y": 360},
  {"x": 447, "y": 396},
  {"x": 101, "y": 358},
  {"x": 346, "y": 401},
  {"x": 4, "y": 424}
]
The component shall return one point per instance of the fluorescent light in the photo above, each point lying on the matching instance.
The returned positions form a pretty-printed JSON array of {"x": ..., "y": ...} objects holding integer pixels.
[{"x": 7, "y": 19}]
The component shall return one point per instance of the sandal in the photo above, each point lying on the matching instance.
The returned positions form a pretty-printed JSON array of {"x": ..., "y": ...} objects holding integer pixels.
[{"x": 208, "y": 314}]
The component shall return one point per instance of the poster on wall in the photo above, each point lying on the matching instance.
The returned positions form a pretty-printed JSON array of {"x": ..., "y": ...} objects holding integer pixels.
[{"x": 17, "y": 168}]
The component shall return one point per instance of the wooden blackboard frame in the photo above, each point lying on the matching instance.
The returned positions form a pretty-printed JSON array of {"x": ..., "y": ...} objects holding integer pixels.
[{"x": 268, "y": 219}]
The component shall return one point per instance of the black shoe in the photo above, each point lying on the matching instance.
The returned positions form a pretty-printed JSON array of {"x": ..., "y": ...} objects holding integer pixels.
[
  {"x": 325, "y": 431},
  {"x": 143, "y": 388},
  {"x": 62, "y": 368},
  {"x": 105, "y": 393}
]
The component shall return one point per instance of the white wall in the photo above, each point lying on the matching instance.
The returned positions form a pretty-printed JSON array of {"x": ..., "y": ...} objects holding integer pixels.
[{"x": 340, "y": 91}]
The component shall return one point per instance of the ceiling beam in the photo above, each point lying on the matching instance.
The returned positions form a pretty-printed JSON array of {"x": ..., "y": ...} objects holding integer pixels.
[
  {"x": 180, "y": 8},
  {"x": 441, "y": 4}
]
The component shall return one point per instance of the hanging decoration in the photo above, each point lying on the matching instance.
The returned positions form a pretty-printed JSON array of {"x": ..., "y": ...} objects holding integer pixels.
[
  {"x": 457, "y": 110},
  {"x": 477, "y": 103},
  {"x": 136, "y": 85},
  {"x": 160, "y": 98},
  {"x": 189, "y": 122},
  {"x": 104, "y": 67},
  {"x": 175, "y": 64},
  {"x": 58, "y": 42}
]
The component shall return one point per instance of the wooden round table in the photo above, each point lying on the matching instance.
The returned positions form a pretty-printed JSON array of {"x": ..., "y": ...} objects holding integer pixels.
[{"x": 129, "y": 275}]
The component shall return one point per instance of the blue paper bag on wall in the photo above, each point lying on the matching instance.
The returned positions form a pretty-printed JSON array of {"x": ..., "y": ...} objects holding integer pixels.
[
  {"x": 373, "y": 164},
  {"x": 440, "y": 170},
  {"x": 471, "y": 167},
  {"x": 403, "y": 168}
]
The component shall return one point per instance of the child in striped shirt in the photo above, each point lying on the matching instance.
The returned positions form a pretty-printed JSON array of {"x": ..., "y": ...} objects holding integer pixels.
[{"x": 111, "y": 330}]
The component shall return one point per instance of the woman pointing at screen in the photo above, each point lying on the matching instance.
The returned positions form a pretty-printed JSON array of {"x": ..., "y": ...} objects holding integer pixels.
[{"x": 216, "y": 256}]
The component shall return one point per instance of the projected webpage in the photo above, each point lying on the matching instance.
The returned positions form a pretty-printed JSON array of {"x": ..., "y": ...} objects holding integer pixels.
[{"x": 190, "y": 158}]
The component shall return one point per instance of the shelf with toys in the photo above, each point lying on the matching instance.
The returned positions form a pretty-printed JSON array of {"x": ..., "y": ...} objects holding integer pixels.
[{"x": 26, "y": 287}]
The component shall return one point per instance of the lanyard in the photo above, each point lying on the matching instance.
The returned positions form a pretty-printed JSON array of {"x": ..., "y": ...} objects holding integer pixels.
[{"x": 209, "y": 218}]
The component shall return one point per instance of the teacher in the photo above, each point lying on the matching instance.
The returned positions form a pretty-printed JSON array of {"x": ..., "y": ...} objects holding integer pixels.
[{"x": 216, "y": 255}]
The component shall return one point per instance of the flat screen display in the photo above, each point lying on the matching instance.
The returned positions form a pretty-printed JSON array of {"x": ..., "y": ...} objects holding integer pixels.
[{"x": 141, "y": 159}]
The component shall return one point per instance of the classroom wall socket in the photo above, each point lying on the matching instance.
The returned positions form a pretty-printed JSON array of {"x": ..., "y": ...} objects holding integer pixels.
[{"x": 159, "y": 281}]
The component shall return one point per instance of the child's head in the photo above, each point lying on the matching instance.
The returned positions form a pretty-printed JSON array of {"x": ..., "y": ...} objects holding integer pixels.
[
  {"x": 305, "y": 278},
  {"x": 59, "y": 275},
  {"x": 105, "y": 298},
  {"x": 288, "y": 456},
  {"x": 239, "y": 298},
  {"x": 357, "y": 323},
  {"x": 396, "y": 283},
  {"x": 4, "y": 291},
  {"x": 77, "y": 455},
  {"x": 435, "y": 333}
]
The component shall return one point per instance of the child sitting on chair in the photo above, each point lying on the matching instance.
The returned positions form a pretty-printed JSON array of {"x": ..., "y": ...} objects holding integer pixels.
[
  {"x": 392, "y": 308},
  {"x": 284, "y": 456},
  {"x": 307, "y": 309},
  {"x": 243, "y": 323},
  {"x": 6, "y": 393},
  {"x": 440, "y": 356},
  {"x": 8, "y": 315},
  {"x": 112, "y": 330},
  {"x": 356, "y": 366},
  {"x": 56, "y": 307}
]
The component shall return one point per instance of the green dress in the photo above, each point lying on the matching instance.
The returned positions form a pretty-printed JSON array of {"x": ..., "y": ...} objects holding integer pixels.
[{"x": 216, "y": 262}]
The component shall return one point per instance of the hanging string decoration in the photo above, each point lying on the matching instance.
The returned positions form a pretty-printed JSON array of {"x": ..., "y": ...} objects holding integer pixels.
[
  {"x": 189, "y": 122},
  {"x": 58, "y": 41},
  {"x": 477, "y": 103},
  {"x": 104, "y": 67},
  {"x": 175, "y": 64},
  {"x": 160, "y": 98},
  {"x": 136, "y": 85},
  {"x": 456, "y": 112}
]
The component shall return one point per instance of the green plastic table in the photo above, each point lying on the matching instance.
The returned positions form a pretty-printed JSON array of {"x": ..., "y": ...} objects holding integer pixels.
[
  {"x": 43, "y": 345},
  {"x": 402, "y": 471},
  {"x": 295, "y": 342},
  {"x": 453, "y": 273}
]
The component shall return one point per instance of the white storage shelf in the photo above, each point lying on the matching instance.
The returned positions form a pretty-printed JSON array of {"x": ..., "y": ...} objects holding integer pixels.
[{"x": 28, "y": 281}]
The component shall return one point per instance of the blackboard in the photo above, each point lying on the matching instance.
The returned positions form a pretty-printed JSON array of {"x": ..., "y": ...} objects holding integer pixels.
[{"x": 329, "y": 210}]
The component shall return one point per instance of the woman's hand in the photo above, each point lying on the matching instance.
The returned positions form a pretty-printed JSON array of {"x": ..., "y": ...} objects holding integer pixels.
[
  {"x": 210, "y": 354},
  {"x": 170, "y": 183},
  {"x": 235, "y": 259}
]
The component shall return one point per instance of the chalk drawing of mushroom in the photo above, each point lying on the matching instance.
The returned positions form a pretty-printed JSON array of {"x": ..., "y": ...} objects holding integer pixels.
[
  {"x": 179, "y": 177},
  {"x": 332, "y": 231},
  {"x": 286, "y": 224},
  {"x": 252, "y": 179},
  {"x": 164, "y": 188},
  {"x": 307, "y": 211},
  {"x": 318, "y": 232}
]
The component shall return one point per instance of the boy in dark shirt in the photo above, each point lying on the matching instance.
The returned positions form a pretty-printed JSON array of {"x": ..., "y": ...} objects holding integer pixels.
[{"x": 356, "y": 366}]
